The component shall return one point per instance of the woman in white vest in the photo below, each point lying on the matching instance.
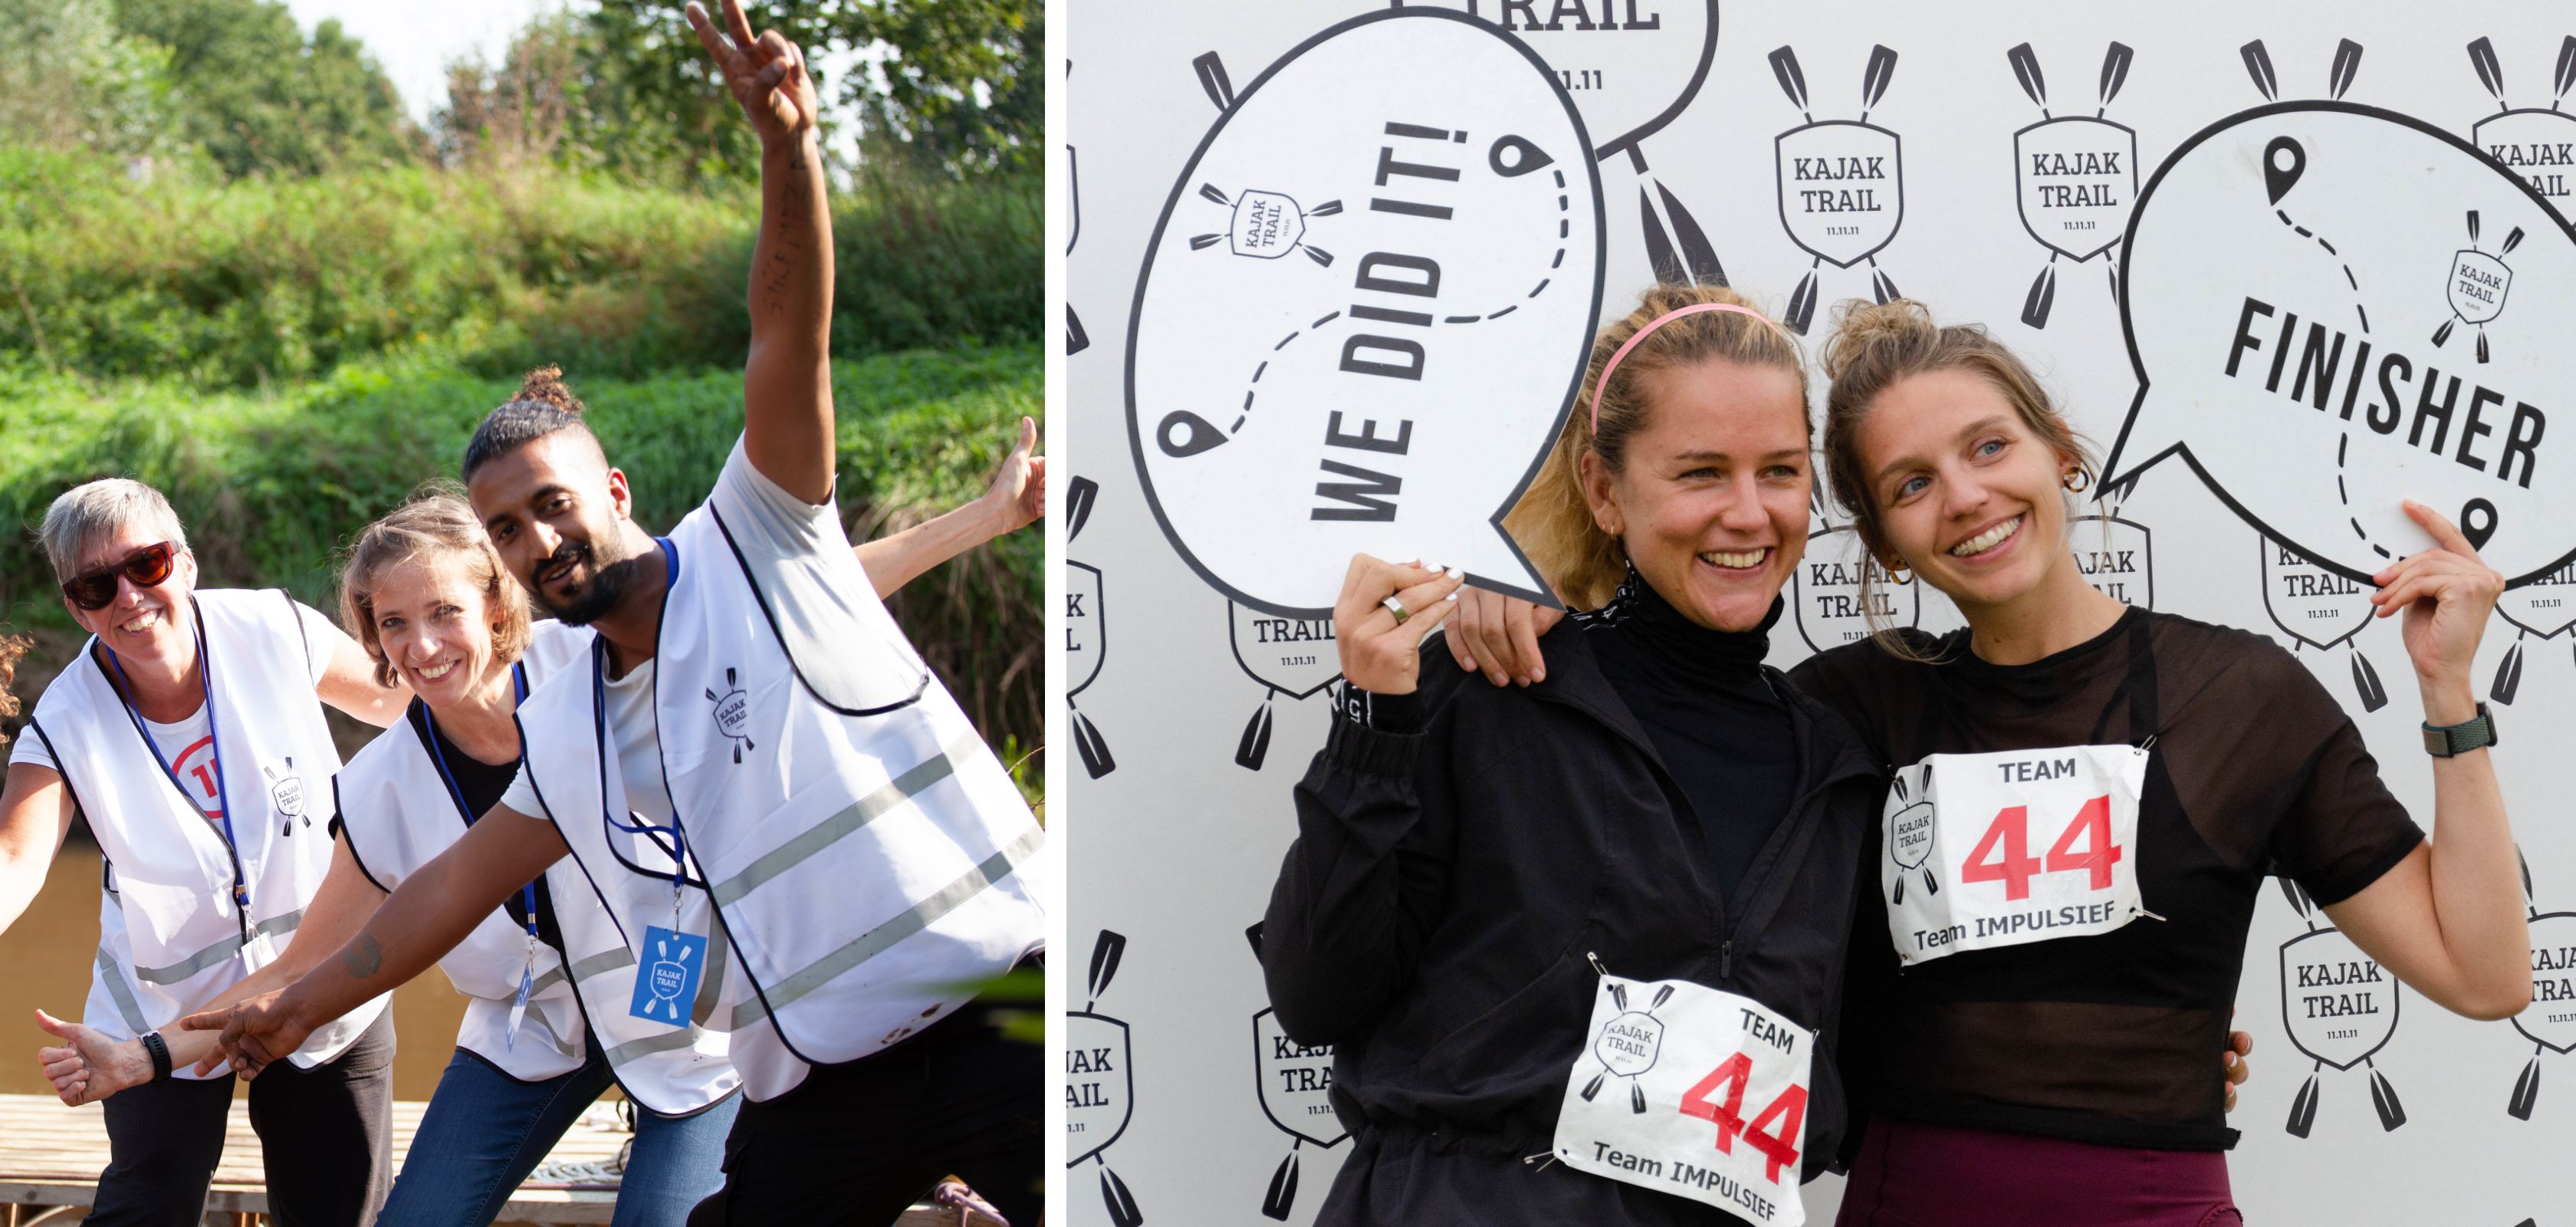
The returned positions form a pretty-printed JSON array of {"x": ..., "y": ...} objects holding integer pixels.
[
  {"x": 189, "y": 735},
  {"x": 752, "y": 768},
  {"x": 427, "y": 597}
]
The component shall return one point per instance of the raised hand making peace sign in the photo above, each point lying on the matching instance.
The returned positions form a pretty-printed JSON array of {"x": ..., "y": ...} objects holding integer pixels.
[{"x": 766, "y": 74}]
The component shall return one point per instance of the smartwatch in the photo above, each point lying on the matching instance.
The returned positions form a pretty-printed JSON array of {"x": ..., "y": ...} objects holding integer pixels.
[
  {"x": 2445, "y": 741},
  {"x": 160, "y": 1052}
]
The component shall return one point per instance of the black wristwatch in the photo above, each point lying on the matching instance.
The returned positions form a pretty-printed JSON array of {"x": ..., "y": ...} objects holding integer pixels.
[
  {"x": 160, "y": 1052},
  {"x": 2444, "y": 741}
]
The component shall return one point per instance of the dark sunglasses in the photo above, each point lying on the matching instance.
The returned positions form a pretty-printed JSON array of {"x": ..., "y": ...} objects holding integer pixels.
[{"x": 147, "y": 567}]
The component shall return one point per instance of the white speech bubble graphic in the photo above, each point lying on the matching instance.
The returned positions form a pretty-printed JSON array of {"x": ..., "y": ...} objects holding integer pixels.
[
  {"x": 1630, "y": 65},
  {"x": 1365, "y": 310},
  {"x": 2333, "y": 308}
]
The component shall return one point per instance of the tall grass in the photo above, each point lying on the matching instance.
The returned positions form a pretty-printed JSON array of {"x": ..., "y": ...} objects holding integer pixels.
[
  {"x": 261, "y": 281},
  {"x": 272, "y": 483}
]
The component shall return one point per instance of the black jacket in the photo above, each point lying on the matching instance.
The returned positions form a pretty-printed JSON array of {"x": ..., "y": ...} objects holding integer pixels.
[{"x": 1434, "y": 920}]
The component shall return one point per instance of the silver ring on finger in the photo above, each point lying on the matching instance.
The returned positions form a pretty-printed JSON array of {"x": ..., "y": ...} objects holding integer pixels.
[{"x": 1397, "y": 608}]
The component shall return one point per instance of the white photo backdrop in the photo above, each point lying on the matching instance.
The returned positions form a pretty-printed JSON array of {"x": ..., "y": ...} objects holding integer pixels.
[{"x": 1332, "y": 281}]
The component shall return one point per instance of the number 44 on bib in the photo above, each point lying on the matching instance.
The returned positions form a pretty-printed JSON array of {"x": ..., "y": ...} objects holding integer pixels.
[{"x": 1962, "y": 866}]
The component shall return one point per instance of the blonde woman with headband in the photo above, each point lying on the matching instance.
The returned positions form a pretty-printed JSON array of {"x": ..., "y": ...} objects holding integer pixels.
[{"x": 1475, "y": 867}]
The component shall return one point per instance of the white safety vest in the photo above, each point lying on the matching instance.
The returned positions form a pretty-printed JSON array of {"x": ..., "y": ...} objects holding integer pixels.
[
  {"x": 171, "y": 937},
  {"x": 399, "y": 813},
  {"x": 870, "y": 868}
]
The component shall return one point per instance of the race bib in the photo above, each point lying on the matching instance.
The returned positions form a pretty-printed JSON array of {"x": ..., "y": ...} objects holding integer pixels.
[
  {"x": 2011, "y": 847},
  {"x": 1691, "y": 1091},
  {"x": 666, "y": 977}
]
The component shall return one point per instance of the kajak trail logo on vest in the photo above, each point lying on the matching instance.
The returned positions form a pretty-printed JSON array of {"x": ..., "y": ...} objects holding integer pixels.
[
  {"x": 733, "y": 714},
  {"x": 2537, "y": 144},
  {"x": 2549, "y": 1022},
  {"x": 2340, "y": 1008},
  {"x": 1842, "y": 183},
  {"x": 1296, "y": 657},
  {"x": 2076, "y": 177},
  {"x": 1099, "y": 1088},
  {"x": 286, "y": 792}
]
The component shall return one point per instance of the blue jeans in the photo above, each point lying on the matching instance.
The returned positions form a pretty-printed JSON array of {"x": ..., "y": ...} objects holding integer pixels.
[{"x": 485, "y": 1131}]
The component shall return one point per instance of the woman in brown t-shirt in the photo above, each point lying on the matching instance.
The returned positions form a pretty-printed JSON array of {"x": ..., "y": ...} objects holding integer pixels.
[{"x": 2087, "y": 798}]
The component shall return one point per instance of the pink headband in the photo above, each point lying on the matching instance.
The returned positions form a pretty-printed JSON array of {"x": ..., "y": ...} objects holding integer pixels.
[{"x": 1658, "y": 322}]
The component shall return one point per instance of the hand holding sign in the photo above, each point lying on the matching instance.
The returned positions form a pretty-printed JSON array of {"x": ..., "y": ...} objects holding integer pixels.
[
  {"x": 2291, "y": 277},
  {"x": 1394, "y": 386},
  {"x": 2447, "y": 593},
  {"x": 1381, "y": 648}
]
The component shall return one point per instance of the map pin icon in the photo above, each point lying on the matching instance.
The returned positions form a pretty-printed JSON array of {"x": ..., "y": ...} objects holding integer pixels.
[
  {"x": 2478, "y": 522},
  {"x": 2283, "y": 160}
]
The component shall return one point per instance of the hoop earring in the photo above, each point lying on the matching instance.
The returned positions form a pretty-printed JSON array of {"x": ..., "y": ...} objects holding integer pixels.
[
  {"x": 2076, "y": 481},
  {"x": 1898, "y": 571}
]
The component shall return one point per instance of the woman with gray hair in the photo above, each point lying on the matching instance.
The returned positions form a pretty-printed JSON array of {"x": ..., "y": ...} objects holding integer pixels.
[{"x": 189, "y": 732}]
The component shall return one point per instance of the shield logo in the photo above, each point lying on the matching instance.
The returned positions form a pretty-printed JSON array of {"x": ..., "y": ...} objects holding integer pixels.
[
  {"x": 2478, "y": 285},
  {"x": 2076, "y": 177},
  {"x": 2527, "y": 142},
  {"x": 2543, "y": 607},
  {"x": 1296, "y": 1083},
  {"x": 1099, "y": 1090},
  {"x": 2116, "y": 558},
  {"x": 1842, "y": 189},
  {"x": 2339, "y": 1005},
  {"x": 1292, "y": 656},
  {"x": 2309, "y": 603},
  {"x": 1825, "y": 592},
  {"x": 1085, "y": 639},
  {"x": 2550, "y": 1019},
  {"x": 1267, "y": 225}
]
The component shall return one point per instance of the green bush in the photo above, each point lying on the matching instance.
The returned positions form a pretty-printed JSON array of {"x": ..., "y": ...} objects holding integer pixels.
[
  {"x": 271, "y": 485},
  {"x": 260, "y": 282}
]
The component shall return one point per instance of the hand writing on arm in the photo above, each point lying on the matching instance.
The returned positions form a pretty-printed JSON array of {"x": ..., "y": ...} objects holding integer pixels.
[{"x": 787, "y": 380}]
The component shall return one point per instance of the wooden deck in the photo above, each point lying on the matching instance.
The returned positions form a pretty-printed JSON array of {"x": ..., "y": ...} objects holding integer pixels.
[{"x": 50, "y": 1158}]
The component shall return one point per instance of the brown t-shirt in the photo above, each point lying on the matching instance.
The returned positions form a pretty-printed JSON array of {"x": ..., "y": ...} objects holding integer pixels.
[{"x": 2112, "y": 1038}]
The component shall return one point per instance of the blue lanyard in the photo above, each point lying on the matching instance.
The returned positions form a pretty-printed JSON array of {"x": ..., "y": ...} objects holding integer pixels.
[
  {"x": 519, "y": 684},
  {"x": 678, "y": 846},
  {"x": 214, "y": 733}
]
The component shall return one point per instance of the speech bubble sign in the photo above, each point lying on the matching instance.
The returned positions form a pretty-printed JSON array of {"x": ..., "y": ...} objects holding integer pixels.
[
  {"x": 1365, "y": 311},
  {"x": 1631, "y": 65},
  {"x": 2291, "y": 290}
]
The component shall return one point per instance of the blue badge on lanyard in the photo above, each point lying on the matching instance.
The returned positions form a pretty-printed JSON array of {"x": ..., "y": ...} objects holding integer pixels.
[
  {"x": 666, "y": 976},
  {"x": 668, "y": 962},
  {"x": 527, "y": 893},
  {"x": 252, "y": 943}
]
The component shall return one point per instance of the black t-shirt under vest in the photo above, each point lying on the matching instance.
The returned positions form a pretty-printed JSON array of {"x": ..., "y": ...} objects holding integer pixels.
[{"x": 2112, "y": 1038}]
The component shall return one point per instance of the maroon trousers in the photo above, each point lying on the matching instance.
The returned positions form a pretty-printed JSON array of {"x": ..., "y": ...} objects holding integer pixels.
[{"x": 1918, "y": 1175}]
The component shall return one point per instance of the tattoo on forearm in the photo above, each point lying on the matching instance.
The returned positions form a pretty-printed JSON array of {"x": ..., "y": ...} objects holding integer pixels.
[{"x": 363, "y": 961}]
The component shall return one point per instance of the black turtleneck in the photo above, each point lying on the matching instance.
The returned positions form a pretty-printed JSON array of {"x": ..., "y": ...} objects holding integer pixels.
[{"x": 1722, "y": 731}]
